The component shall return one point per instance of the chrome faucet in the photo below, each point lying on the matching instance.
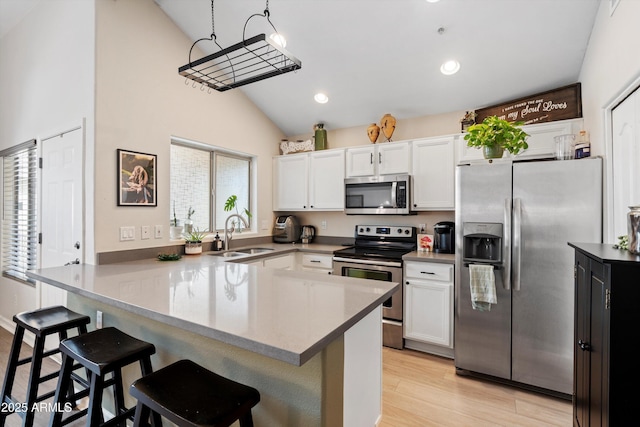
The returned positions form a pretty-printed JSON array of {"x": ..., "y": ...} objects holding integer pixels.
[{"x": 229, "y": 235}]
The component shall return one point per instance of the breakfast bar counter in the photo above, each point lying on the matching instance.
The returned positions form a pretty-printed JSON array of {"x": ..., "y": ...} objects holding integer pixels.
[{"x": 310, "y": 343}]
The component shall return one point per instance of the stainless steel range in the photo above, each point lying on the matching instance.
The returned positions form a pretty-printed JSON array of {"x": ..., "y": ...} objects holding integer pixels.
[{"x": 377, "y": 255}]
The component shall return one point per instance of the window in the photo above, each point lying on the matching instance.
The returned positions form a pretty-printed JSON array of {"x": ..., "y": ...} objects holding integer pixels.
[
  {"x": 19, "y": 219},
  {"x": 202, "y": 179}
]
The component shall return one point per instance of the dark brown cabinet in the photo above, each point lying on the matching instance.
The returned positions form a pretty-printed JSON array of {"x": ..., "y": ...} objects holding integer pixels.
[{"x": 606, "y": 386}]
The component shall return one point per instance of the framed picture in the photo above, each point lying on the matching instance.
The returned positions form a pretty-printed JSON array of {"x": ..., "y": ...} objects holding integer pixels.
[{"x": 136, "y": 179}]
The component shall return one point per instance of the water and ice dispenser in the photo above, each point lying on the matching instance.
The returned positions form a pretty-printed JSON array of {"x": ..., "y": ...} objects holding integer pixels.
[{"x": 482, "y": 242}]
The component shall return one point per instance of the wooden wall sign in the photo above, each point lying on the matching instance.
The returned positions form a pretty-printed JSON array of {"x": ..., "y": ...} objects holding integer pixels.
[{"x": 557, "y": 104}]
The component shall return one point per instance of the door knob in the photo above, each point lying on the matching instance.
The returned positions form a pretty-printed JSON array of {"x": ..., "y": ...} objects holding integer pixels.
[
  {"x": 77, "y": 245},
  {"x": 583, "y": 345}
]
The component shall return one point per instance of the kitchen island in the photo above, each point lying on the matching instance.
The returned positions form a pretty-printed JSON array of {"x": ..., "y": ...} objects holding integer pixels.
[{"x": 310, "y": 343}]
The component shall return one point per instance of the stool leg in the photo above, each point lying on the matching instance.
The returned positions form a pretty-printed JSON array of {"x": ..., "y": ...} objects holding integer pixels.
[
  {"x": 63, "y": 385},
  {"x": 10, "y": 374},
  {"x": 34, "y": 379},
  {"x": 146, "y": 369},
  {"x": 94, "y": 416},
  {"x": 246, "y": 420},
  {"x": 118, "y": 395},
  {"x": 142, "y": 416}
]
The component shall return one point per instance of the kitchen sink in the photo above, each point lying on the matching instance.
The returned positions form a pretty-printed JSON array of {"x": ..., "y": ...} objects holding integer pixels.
[
  {"x": 254, "y": 250},
  {"x": 229, "y": 254}
]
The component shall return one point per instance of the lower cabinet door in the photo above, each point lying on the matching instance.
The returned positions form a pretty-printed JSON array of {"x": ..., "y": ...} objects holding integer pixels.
[{"x": 429, "y": 314}]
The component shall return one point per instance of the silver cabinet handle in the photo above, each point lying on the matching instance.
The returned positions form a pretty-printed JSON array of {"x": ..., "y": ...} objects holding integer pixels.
[
  {"x": 371, "y": 161},
  {"x": 426, "y": 272},
  {"x": 77, "y": 245}
]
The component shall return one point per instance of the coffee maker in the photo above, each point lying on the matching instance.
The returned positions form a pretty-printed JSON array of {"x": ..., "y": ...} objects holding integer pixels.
[{"x": 444, "y": 237}]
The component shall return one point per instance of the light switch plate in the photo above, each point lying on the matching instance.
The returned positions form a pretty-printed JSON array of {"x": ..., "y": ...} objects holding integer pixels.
[
  {"x": 157, "y": 231},
  {"x": 145, "y": 232},
  {"x": 127, "y": 233}
]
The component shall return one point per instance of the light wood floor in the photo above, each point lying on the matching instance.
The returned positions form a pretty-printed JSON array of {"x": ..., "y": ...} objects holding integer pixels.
[{"x": 419, "y": 390}]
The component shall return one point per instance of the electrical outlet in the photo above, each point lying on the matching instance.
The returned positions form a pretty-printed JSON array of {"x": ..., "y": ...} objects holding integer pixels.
[
  {"x": 98, "y": 319},
  {"x": 265, "y": 224},
  {"x": 157, "y": 231},
  {"x": 323, "y": 225},
  {"x": 127, "y": 233},
  {"x": 145, "y": 232}
]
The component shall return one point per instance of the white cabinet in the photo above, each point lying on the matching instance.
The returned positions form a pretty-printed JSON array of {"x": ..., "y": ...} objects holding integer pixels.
[
  {"x": 433, "y": 173},
  {"x": 379, "y": 159},
  {"x": 290, "y": 182},
  {"x": 316, "y": 262},
  {"x": 428, "y": 305},
  {"x": 282, "y": 262},
  {"x": 309, "y": 181},
  {"x": 540, "y": 140}
]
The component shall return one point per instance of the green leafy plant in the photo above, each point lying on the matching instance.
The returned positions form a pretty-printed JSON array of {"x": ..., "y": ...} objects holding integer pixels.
[
  {"x": 623, "y": 243},
  {"x": 232, "y": 203},
  {"x": 494, "y": 131},
  {"x": 195, "y": 235}
]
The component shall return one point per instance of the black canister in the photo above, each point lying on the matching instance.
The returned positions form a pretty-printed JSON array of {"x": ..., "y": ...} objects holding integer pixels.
[{"x": 444, "y": 237}]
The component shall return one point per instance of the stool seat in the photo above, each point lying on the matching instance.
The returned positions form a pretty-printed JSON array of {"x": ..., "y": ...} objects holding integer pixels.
[
  {"x": 189, "y": 395},
  {"x": 42, "y": 323},
  {"x": 106, "y": 349},
  {"x": 50, "y": 320}
]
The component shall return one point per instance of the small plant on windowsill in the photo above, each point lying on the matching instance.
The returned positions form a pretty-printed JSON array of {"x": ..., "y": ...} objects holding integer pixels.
[{"x": 193, "y": 241}]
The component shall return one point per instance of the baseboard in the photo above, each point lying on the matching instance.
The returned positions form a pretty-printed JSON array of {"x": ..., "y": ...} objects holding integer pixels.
[{"x": 429, "y": 348}]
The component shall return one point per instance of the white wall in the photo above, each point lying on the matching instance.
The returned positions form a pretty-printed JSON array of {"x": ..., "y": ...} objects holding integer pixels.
[
  {"x": 611, "y": 64},
  {"x": 141, "y": 102},
  {"x": 46, "y": 86}
]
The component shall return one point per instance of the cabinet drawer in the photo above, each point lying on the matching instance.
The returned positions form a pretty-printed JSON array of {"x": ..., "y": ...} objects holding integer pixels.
[
  {"x": 317, "y": 261},
  {"x": 429, "y": 271}
]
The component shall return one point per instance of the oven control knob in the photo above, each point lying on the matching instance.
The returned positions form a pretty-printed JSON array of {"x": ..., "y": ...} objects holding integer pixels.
[
  {"x": 399, "y": 230},
  {"x": 407, "y": 231},
  {"x": 368, "y": 229},
  {"x": 361, "y": 229}
]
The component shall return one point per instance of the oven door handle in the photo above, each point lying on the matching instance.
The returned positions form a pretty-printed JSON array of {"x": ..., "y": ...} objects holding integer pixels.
[{"x": 368, "y": 262}]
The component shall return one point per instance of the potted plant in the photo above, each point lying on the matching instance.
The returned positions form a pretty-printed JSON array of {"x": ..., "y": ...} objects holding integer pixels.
[
  {"x": 193, "y": 241},
  {"x": 175, "y": 230},
  {"x": 494, "y": 135}
]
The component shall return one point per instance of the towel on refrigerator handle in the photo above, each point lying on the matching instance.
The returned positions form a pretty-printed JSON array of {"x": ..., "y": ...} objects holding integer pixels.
[{"x": 482, "y": 283}]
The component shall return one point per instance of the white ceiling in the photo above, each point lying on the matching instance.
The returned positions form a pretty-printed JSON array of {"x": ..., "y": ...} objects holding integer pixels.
[{"x": 373, "y": 57}]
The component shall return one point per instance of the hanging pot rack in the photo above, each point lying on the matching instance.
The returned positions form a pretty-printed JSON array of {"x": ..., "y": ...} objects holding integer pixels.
[{"x": 249, "y": 61}]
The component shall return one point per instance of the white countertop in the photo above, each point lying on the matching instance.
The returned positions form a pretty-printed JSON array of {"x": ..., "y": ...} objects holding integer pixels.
[
  {"x": 285, "y": 315},
  {"x": 430, "y": 257}
]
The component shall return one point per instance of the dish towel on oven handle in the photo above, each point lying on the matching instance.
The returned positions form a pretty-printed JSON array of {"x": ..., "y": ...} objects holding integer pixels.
[{"x": 482, "y": 283}]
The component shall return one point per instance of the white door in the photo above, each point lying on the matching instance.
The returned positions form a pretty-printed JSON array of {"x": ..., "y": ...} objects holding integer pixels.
[
  {"x": 625, "y": 161},
  {"x": 62, "y": 207}
]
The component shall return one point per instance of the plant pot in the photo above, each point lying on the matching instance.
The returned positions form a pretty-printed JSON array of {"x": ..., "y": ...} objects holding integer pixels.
[
  {"x": 188, "y": 226},
  {"x": 492, "y": 151},
  {"x": 193, "y": 248}
]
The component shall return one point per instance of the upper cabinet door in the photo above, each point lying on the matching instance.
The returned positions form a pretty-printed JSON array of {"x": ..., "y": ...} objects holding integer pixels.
[
  {"x": 393, "y": 158},
  {"x": 433, "y": 173},
  {"x": 290, "y": 182},
  {"x": 326, "y": 180},
  {"x": 360, "y": 161}
]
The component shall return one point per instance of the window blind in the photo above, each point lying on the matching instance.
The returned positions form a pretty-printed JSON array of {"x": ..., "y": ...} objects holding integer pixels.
[{"x": 19, "y": 216}]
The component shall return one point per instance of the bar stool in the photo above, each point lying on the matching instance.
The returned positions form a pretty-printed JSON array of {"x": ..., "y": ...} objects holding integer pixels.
[
  {"x": 101, "y": 352},
  {"x": 42, "y": 323},
  {"x": 191, "y": 396}
]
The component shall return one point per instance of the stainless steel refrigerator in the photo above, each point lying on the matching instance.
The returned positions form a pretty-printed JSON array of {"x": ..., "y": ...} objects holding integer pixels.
[{"x": 518, "y": 217}]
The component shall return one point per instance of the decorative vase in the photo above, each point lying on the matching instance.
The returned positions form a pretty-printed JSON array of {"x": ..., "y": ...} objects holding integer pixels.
[
  {"x": 373, "y": 131},
  {"x": 388, "y": 125},
  {"x": 175, "y": 233},
  {"x": 493, "y": 151},
  {"x": 188, "y": 225},
  {"x": 193, "y": 248},
  {"x": 320, "y": 136},
  {"x": 633, "y": 227}
]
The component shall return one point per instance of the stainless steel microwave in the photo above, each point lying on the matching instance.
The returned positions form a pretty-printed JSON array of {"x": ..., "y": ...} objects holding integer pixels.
[{"x": 375, "y": 195}]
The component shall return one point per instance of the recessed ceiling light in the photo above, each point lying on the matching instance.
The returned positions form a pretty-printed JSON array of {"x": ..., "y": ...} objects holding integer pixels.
[
  {"x": 278, "y": 39},
  {"x": 321, "y": 98},
  {"x": 450, "y": 67},
  {"x": 433, "y": 1}
]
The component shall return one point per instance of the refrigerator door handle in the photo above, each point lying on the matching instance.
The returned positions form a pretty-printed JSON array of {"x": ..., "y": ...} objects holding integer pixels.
[
  {"x": 517, "y": 242},
  {"x": 506, "y": 247}
]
